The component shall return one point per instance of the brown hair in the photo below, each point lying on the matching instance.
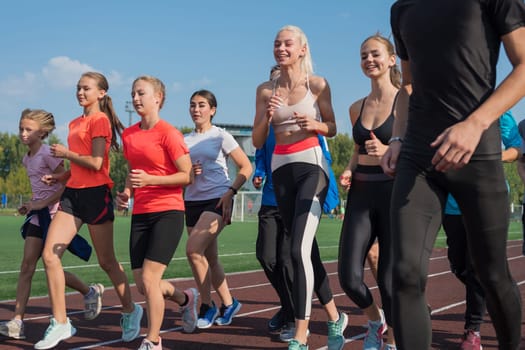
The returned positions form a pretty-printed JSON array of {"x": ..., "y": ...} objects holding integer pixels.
[
  {"x": 106, "y": 106},
  {"x": 45, "y": 120},
  {"x": 395, "y": 73}
]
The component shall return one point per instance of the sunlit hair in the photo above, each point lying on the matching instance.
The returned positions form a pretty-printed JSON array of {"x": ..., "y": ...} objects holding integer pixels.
[
  {"x": 275, "y": 71},
  {"x": 106, "y": 106},
  {"x": 306, "y": 62},
  {"x": 45, "y": 120},
  {"x": 395, "y": 73},
  {"x": 158, "y": 86},
  {"x": 209, "y": 96}
]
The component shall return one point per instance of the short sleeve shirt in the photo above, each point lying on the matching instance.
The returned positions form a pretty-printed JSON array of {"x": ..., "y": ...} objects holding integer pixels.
[
  {"x": 452, "y": 48},
  {"x": 211, "y": 150},
  {"x": 37, "y": 165},
  {"x": 82, "y": 131},
  {"x": 155, "y": 151}
]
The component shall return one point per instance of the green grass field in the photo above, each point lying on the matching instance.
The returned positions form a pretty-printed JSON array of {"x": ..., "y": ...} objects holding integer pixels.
[{"x": 237, "y": 249}]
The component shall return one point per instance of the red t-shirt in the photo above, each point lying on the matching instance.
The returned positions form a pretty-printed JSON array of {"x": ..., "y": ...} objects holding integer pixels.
[
  {"x": 82, "y": 131},
  {"x": 155, "y": 151}
]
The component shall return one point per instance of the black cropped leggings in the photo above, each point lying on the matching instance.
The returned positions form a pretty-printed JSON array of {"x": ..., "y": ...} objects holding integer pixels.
[
  {"x": 367, "y": 217},
  {"x": 417, "y": 200}
]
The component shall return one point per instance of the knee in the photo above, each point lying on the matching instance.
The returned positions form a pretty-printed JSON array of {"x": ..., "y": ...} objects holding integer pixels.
[
  {"x": 27, "y": 268},
  {"x": 50, "y": 258},
  {"x": 193, "y": 255},
  {"x": 408, "y": 278},
  {"x": 350, "y": 282},
  {"x": 266, "y": 261},
  {"x": 108, "y": 264}
]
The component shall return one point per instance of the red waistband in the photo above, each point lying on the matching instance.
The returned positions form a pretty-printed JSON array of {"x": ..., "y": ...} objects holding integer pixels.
[{"x": 297, "y": 146}]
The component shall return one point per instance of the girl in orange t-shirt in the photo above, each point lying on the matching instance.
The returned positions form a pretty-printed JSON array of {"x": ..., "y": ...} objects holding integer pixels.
[
  {"x": 160, "y": 166},
  {"x": 86, "y": 199}
]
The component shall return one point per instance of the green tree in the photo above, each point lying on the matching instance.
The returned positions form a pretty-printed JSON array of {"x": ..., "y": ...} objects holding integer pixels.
[
  {"x": 118, "y": 170},
  {"x": 17, "y": 182},
  {"x": 341, "y": 148}
]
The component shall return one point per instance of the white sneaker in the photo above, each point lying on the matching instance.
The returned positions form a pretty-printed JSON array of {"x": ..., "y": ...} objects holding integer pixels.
[
  {"x": 189, "y": 311},
  {"x": 93, "y": 301},
  {"x": 12, "y": 329},
  {"x": 55, "y": 333}
]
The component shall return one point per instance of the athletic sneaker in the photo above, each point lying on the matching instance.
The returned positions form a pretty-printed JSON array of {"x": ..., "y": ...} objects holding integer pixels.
[
  {"x": 277, "y": 321},
  {"x": 55, "y": 333},
  {"x": 336, "y": 339},
  {"x": 93, "y": 301},
  {"x": 288, "y": 332},
  {"x": 130, "y": 323},
  {"x": 390, "y": 347},
  {"x": 374, "y": 335},
  {"x": 12, "y": 329},
  {"x": 295, "y": 345},
  {"x": 207, "y": 315},
  {"x": 228, "y": 312},
  {"x": 471, "y": 340},
  {"x": 189, "y": 311},
  {"x": 148, "y": 345}
]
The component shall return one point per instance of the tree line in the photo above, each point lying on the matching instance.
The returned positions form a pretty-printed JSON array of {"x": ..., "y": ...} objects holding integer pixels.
[{"x": 14, "y": 180}]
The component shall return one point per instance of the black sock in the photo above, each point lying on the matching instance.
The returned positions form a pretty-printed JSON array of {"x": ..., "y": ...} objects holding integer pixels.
[{"x": 186, "y": 299}]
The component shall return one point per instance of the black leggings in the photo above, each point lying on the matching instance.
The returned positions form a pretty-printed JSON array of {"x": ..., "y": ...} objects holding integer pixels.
[
  {"x": 271, "y": 241},
  {"x": 300, "y": 190},
  {"x": 367, "y": 217},
  {"x": 417, "y": 200},
  {"x": 461, "y": 266}
]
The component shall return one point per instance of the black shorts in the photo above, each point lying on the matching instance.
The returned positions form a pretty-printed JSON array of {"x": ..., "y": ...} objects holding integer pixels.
[
  {"x": 155, "y": 236},
  {"x": 92, "y": 205},
  {"x": 33, "y": 230},
  {"x": 194, "y": 209}
]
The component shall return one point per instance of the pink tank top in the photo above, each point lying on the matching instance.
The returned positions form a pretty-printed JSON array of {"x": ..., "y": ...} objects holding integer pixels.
[{"x": 283, "y": 118}]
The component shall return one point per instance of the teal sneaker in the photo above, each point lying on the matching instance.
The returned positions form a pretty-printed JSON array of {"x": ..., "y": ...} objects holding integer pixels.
[
  {"x": 374, "y": 335},
  {"x": 55, "y": 333},
  {"x": 336, "y": 340},
  {"x": 227, "y": 313},
  {"x": 295, "y": 345},
  {"x": 130, "y": 323}
]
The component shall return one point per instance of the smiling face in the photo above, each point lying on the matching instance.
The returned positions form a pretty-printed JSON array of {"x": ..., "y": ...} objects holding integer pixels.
[
  {"x": 88, "y": 92},
  {"x": 287, "y": 48},
  {"x": 375, "y": 59},
  {"x": 201, "y": 111},
  {"x": 145, "y": 99}
]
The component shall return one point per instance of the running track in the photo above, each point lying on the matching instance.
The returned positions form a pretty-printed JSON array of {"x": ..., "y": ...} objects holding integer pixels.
[{"x": 248, "y": 330}]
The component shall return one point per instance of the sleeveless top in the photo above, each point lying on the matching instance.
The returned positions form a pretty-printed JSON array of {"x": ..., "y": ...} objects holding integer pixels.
[
  {"x": 283, "y": 118},
  {"x": 383, "y": 132}
]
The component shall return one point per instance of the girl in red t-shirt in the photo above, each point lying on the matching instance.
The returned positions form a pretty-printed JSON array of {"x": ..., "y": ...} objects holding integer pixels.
[
  {"x": 87, "y": 199},
  {"x": 160, "y": 166}
]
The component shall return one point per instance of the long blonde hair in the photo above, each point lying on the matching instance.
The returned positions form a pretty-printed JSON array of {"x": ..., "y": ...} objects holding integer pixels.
[{"x": 306, "y": 62}]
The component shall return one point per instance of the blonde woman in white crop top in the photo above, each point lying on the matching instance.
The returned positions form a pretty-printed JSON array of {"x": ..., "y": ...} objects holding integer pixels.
[{"x": 298, "y": 105}]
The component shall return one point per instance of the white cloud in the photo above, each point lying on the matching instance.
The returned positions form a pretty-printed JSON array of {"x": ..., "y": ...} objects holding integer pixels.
[
  {"x": 26, "y": 85},
  {"x": 201, "y": 83},
  {"x": 63, "y": 72},
  {"x": 177, "y": 86}
]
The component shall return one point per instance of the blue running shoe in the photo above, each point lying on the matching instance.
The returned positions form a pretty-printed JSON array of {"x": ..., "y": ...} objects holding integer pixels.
[
  {"x": 295, "y": 345},
  {"x": 227, "y": 313},
  {"x": 374, "y": 335},
  {"x": 55, "y": 333},
  {"x": 207, "y": 315},
  {"x": 130, "y": 323}
]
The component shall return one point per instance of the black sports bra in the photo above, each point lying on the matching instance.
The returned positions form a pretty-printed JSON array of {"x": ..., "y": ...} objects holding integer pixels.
[{"x": 383, "y": 132}]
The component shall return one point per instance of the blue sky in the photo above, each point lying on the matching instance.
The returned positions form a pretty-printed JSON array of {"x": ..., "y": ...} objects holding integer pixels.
[{"x": 224, "y": 46}]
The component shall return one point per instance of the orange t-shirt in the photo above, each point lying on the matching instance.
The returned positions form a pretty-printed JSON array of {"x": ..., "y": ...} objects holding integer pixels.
[
  {"x": 155, "y": 151},
  {"x": 82, "y": 131}
]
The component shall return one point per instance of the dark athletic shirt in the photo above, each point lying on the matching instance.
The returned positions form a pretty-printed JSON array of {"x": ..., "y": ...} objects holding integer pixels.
[
  {"x": 452, "y": 47},
  {"x": 383, "y": 132}
]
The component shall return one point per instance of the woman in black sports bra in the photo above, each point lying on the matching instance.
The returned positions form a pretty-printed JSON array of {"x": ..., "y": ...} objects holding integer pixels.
[{"x": 367, "y": 211}]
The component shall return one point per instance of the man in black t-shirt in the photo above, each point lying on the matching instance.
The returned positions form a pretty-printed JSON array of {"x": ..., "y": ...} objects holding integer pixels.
[{"x": 446, "y": 140}]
